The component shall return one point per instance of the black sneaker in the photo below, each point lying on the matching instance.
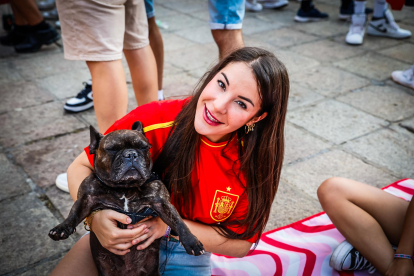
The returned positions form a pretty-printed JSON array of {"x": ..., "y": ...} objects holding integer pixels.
[
  {"x": 312, "y": 15},
  {"x": 13, "y": 37},
  {"x": 346, "y": 258},
  {"x": 36, "y": 38},
  {"x": 346, "y": 11},
  {"x": 82, "y": 101}
]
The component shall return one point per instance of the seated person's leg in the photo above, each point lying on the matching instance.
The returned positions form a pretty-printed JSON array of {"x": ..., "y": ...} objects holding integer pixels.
[
  {"x": 370, "y": 219},
  {"x": 226, "y": 19},
  {"x": 78, "y": 261}
]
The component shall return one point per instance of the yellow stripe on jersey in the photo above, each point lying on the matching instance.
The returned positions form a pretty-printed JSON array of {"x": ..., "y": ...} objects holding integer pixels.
[
  {"x": 157, "y": 126},
  {"x": 202, "y": 140}
]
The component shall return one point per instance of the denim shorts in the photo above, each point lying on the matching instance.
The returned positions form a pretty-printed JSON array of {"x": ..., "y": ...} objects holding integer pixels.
[
  {"x": 149, "y": 7},
  {"x": 226, "y": 14},
  {"x": 174, "y": 261}
]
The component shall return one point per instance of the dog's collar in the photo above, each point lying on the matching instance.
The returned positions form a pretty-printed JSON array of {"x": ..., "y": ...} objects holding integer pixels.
[{"x": 153, "y": 176}]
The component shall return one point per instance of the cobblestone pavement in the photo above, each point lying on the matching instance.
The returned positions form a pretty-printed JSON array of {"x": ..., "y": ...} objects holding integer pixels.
[{"x": 346, "y": 117}]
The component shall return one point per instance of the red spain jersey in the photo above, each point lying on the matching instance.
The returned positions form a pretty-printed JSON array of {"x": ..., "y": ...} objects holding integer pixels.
[{"x": 219, "y": 194}]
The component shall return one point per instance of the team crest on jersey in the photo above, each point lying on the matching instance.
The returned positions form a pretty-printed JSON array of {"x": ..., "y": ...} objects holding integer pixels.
[{"x": 223, "y": 205}]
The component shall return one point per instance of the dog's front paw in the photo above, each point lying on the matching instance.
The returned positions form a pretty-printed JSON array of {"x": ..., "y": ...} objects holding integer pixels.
[
  {"x": 61, "y": 232},
  {"x": 192, "y": 245}
]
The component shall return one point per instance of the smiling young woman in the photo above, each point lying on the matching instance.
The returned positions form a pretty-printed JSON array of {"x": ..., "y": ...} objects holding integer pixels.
[{"x": 219, "y": 153}]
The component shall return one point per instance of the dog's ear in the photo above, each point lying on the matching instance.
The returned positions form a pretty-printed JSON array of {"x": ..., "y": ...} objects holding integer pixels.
[
  {"x": 95, "y": 140},
  {"x": 137, "y": 126}
]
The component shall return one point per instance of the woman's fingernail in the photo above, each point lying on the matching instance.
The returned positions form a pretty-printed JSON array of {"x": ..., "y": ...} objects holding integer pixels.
[
  {"x": 146, "y": 230},
  {"x": 130, "y": 227},
  {"x": 139, "y": 248},
  {"x": 129, "y": 220}
]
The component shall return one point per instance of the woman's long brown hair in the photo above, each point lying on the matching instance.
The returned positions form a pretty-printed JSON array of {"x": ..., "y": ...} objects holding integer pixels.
[{"x": 261, "y": 151}]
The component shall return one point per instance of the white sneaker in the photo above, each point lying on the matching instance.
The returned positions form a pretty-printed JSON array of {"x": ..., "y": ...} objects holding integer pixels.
[
  {"x": 346, "y": 258},
  {"x": 387, "y": 27},
  {"x": 405, "y": 78},
  {"x": 253, "y": 6},
  {"x": 275, "y": 4},
  {"x": 62, "y": 182},
  {"x": 356, "y": 31}
]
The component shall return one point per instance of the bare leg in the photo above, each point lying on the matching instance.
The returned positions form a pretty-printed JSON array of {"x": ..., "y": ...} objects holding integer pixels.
[
  {"x": 28, "y": 9},
  {"x": 369, "y": 218},
  {"x": 78, "y": 261},
  {"x": 157, "y": 46},
  {"x": 227, "y": 41},
  {"x": 143, "y": 70},
  {"x": 110, "y": 94}
]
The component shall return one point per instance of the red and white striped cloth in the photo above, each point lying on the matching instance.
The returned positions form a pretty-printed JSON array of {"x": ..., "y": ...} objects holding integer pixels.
[{"x": 301, "y": 248}]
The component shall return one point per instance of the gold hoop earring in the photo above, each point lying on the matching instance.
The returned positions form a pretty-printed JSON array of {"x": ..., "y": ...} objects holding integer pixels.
[{"x": 247, "y": 128}]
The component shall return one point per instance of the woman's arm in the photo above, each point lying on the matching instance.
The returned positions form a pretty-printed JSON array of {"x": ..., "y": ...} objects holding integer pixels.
[
  {"x": 405, "y": 246},
  {"x": 211, "y": 239},
  {"x": 77, "y": 172},
  {"x": 216, "y": 243}
]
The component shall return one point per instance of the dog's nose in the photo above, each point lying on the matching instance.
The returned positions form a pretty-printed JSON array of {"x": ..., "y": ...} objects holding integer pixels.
[{"x": 130, "y": 154}]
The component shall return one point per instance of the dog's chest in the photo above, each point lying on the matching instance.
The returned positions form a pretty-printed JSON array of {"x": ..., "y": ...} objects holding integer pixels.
[{"x": 127, "y": 201}]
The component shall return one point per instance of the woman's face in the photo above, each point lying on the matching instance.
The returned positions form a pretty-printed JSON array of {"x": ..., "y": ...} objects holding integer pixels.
[{"x": 229, "y": 101}]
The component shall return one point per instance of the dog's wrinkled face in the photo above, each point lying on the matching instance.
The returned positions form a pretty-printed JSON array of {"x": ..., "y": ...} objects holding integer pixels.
[{"x": 122, "y": 157}]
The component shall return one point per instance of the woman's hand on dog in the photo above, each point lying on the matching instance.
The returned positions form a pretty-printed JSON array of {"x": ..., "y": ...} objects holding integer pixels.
[
  {"x": 156, "y": 229},
  {"x": 117, "y": 240}
]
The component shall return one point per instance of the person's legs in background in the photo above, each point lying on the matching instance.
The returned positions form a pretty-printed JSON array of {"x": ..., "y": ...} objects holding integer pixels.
[
  {"x": 226, "y": 19},
  {"x": 109, "y": 90},
  {"x": 30, "y": 31},
  {"x": 370, "y": 219},
  {"x": 156, "y": 43},
  {"x": 308, "y": 13},
  {"x": 382, "y": 23}
]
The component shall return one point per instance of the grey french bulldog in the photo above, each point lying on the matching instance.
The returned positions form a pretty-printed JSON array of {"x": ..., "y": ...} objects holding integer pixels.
[{"x": 122, "y": 182}]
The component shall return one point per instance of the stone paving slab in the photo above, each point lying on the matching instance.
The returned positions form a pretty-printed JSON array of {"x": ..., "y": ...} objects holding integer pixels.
[
  {"x": 295, "y": 62},
  {"x": 327, "y": 50},
  {"x": 291, "y": 205},
  {"x": 12, "y": 182},
  {"x": 300, "y": 144},
  {"x": 39, "y": 67},
  {"x": 371, "y": 42},
  {"x": 300, "y": 96},
  {"x": 324, "y": 28},
  {"x": 181, "y": 22},
  {"x": 21, "y": 95},
  {"x": 403, "y": 52},
  {"x": 329, "y": 81},
  {"x": 335, "y": 121},
  {"x": 19, "y": 126},
  {"x": 179, "y": 85},
  {"x": 44, "y": 160},
  {"x": 253, "y": 25},
  {"x": 26, "y": 221},
  {"x": 372, "y": 65},
  {"x": 284, "y": 37},
  {"x": 309, "y": 174},
  {"x": 385, "y": 102},
  {"x": 392, "y": 148},
  {"x": 408, "y": 124},
  {"x": 8, "y": 73},
  {"x": 200, "y": 35},
  {"x": 192, "y": 57},
  {"x": 65, "y": 85},
  {"x": 43, "y": 269},
  {"x": 188, "y": 6}
]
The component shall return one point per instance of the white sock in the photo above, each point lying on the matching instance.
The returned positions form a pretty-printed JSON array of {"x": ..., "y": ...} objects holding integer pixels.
[
  {"x": 359, "y": 7},
  {"x": 379, "y": 7},
  {"x": 160, "y": 95}
]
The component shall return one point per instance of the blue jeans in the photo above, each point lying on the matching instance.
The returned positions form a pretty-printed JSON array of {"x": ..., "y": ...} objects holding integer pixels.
[
  {"x": 149, "y": 7},
  {"x": 174, "y": 261},
  {"x": 226, "y": 14}
]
